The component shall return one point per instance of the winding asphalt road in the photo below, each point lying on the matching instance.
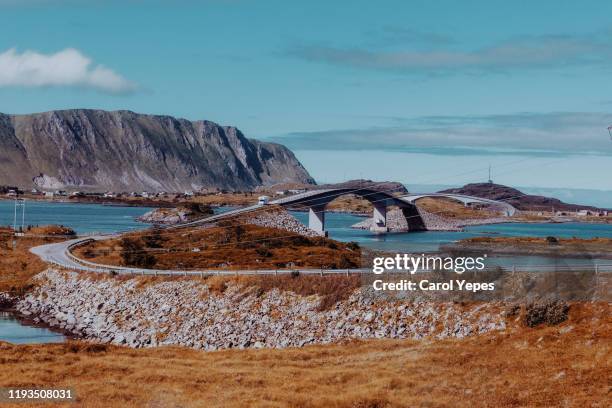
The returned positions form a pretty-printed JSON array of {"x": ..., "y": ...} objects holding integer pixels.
[{"x": 59, "y": 254}]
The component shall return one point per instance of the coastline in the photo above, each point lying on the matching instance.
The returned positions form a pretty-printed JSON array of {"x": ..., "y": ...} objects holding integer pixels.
[
  {"x": 8, "y": 305},
  {"x": 508, "y": 248},
  {"x": 147, "y": 313},
  {"x": 108, "y": 203}
]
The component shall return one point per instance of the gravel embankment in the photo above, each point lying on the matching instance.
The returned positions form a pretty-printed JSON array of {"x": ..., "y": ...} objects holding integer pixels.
[
  {"x": 187, "y": 313},
  {"x": 167, "y": 216},
  {"x": 280, "y": 219},
  {"x": 396, "y": 222}
]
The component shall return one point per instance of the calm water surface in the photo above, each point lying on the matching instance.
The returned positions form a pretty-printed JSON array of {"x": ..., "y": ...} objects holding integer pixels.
[
  {"x": 83, "y": 218},
  {"x": 338, "y": 226},
  {"x": 13, "y": 331}
]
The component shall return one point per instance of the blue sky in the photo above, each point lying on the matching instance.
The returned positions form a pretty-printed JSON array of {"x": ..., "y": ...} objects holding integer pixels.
[{"x": 424, "y": 92}]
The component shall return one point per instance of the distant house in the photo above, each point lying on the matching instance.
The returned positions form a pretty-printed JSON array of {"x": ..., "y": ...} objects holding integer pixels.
[
  {"x": 49, "y": 194},
  {"x": 583, "y": 213},
  {"x": 298, "y": 191},
  {"x": 280, "y": 192},
  {"x": 109, "y": 194},
  {"x": 11, "y": 193}
]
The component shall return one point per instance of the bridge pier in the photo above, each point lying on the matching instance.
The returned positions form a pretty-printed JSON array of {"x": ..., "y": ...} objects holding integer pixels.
[
  {"x": 414, "y": 219},
  {"x": 379, "y": 218},
  {"x": 316, "y": 219}
]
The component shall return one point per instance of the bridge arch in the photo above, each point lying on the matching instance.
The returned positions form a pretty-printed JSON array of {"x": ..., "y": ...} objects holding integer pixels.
[{"x": 317, "y": 200}]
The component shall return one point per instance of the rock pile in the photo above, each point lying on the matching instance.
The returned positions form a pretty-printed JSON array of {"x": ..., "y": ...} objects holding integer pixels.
[
  {"x": 279, "y": 218},
  {"x": 167, "y": 216},
  {"x": 6, "y": 300},
  {"x": 188, "y": 313},
  {"x": 435, "y": 222},
  {"x": 396, "y": 222}
]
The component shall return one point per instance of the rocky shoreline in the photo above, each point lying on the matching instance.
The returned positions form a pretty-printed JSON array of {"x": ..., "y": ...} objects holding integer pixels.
[
  {"x": 278, "y": 218},
  {"x": 145, "y": 313},
  {"x": 8, "y": 305},
  {"x": 166, "y": 216}
]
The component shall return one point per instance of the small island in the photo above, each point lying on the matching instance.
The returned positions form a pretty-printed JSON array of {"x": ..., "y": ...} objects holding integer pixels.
[{"x": 540, "y": 246}]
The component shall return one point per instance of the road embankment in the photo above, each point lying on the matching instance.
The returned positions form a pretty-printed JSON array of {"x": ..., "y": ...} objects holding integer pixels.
[
  {"x": 396, "y": 221},
  {"x": 221, "y": 314}
]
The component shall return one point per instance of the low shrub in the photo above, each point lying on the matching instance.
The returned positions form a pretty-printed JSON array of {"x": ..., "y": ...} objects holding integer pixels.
[
  {"x": 551, "y": 313},
  {"x": 133, "y": 253},
  {"x": 552, "y": 240}
]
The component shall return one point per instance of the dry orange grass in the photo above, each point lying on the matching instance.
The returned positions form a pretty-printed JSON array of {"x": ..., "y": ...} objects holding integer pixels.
[
  {"x": 331, "y": 289},
  {"x": 540, "y": 240},
  {"x": 453, "y": 209},
  {"x": 560, "y": 245},
  {"x": 567, "y": 365},
  {"x": 230, "y": 246},
  {"x": 18, "y": 265},
  {"x": 350, "y": 203}
]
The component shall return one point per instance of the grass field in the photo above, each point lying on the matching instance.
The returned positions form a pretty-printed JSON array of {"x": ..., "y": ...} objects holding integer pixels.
[
  {"x": 17, "y": 264},
  {"x": 230, "y": 245}
]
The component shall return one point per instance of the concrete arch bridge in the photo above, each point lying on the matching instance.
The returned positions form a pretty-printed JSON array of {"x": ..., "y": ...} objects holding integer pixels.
[{"x": 316, "y": 201}]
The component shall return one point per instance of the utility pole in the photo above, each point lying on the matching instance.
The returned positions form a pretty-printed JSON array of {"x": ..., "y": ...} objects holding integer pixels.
[
  {"x": 490, "y": 179},
  {"x": 19, "y": 203},
  {"x": 15, "y": 218}
]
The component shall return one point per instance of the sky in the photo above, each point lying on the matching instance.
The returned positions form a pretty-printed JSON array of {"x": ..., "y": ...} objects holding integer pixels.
[{"x": 422, "y": 92}]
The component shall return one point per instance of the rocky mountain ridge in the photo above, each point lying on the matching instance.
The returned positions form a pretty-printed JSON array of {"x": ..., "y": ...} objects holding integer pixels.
[{"x": 125, "y": 151}]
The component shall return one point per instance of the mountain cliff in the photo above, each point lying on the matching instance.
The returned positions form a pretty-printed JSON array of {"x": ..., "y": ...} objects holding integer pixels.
[{"x": 126, "y": 151}]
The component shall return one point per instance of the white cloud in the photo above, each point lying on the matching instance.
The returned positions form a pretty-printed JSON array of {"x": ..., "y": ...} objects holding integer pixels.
[{"x": 68, "y": 67}]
